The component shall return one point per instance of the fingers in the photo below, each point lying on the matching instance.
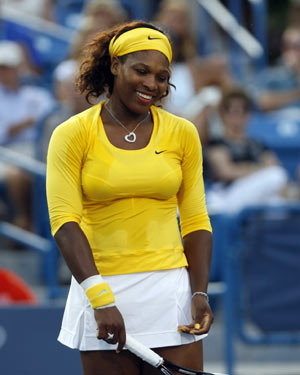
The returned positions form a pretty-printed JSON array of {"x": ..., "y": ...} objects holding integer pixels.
[
  {"x": 122, "y": 340},
  {"x": 190, "y": 328},
  {"x": 111, "y": 327},
  {"x": 199, "y": 327},
  {"x": 101, "y": 332},
  {"x": 206, "y": 323},
  {"x": 112, "y": 336}
]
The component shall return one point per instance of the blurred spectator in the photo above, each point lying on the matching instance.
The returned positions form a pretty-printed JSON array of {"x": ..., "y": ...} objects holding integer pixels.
[
  {"x": 297, "y": 194},
  {"x": 243, "y": 171},
  {"x": 196, "y": 79},
  {"x": 173, "y": 16},
  {"x": 278, "y": 87},
  {"x": 294, "y": 13},
  {"x": 27, "y": 17},
  {"x": 20, "y": 108},
  {"x": 216, "y": 77},
  {"x": 68, "y": 99},
  {"x": 97, "y": 16},
  {"x": 39, "y": 8}
]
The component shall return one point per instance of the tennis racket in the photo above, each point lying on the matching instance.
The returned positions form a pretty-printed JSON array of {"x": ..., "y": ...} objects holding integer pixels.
[{"x": 157, "y": 361}]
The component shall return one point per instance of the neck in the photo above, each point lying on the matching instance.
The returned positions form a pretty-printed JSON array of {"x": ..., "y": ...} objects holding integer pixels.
[
  {"x": 232, "y": 133},
  {"x": 124, "y": 115}
]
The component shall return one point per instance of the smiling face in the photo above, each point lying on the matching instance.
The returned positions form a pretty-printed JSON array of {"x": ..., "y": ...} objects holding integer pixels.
[{"x": 141, "y": 80}]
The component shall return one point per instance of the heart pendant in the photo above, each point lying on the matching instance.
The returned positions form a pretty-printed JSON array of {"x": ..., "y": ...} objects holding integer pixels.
[{"x": 131, "y": 137}]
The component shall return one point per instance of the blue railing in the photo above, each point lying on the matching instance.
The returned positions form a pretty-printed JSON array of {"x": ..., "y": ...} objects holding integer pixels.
[{"x": 41, "y": 240}]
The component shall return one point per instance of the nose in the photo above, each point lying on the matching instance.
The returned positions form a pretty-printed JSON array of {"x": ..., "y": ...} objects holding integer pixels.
[{"x": 150, "y": 82}]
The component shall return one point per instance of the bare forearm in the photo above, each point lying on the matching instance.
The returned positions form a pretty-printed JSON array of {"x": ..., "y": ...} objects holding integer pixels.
[
  {"x": 225, "y": 169},
  {"x": 76, "y": 251},
  {"x": 238, "y": 171},
  {"x": 17, "y": 128},
  {"x": 198, "y": 250},
  {"x": 272, "y": 101}
]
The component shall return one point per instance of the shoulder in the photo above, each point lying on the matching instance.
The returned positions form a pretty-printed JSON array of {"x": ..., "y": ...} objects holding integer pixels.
[
  {"x": 82, "y": 122},
  {"x": 175, "y": 123}
]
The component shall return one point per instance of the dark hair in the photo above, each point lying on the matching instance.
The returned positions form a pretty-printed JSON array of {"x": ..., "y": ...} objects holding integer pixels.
[
  {"x": 95, "y": 77},
  {"x": 233, "y": 93}
]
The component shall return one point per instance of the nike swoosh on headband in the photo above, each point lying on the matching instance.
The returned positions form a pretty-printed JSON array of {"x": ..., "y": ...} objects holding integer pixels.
[
  {"x": 159, "y": 152},
  {"x": 150, "y": 38}
]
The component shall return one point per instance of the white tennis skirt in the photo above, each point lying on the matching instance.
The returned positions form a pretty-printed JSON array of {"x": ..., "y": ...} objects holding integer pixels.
[{"x": 153, "y": 305}]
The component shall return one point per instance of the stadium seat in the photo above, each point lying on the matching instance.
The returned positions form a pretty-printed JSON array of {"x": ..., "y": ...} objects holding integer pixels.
[
  {"x": 45, "y": 50},
  {"x": 282, "y": 135},
  {"x": 68, "y": 12},
  {"x": 262, "y": 302},
  {"x": 14, "y": 290}
]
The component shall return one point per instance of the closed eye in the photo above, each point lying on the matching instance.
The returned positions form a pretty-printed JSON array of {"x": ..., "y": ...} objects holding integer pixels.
[
  {"x": 162, "y": 78},
  {"x": 141, "y": 71}
]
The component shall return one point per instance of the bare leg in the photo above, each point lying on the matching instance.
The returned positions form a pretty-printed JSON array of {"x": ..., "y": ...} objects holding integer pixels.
[
  {"x": 106, "y": 362},
  {"x": 190, "y": 355}
]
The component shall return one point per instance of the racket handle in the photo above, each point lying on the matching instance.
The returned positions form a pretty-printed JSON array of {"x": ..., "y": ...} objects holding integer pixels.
[{"x": 143, "y": 352}]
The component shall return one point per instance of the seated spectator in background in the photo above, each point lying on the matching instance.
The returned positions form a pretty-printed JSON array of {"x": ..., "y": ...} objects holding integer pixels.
[
  {"x": 196, "y": 79},
  {"x": 216, "y": 78},
  {"x": 174, "y": 17},
  {"x": 20, "y": 109},
  {"x": 278, "y": 87},
  {"x": 293, "y": 14},
  {"x": 97, "y": 15},
  {"x": 242, "y": 171},
  {"x": 44, "y": 9},
  {"x": 69, "y": 102}
]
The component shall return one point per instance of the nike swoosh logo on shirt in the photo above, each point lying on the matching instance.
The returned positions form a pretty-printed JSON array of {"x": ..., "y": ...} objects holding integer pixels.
[
  {"x": 159, "y": 152},
  {"x": 150, "y": 38}
]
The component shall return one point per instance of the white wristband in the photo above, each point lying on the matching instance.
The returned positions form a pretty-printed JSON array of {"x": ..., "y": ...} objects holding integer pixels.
[
  {"x": 91, "y": 281},
  {"x": 105, "y": 306}
]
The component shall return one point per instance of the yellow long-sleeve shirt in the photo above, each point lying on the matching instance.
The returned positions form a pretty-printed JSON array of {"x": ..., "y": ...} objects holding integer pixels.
[{"x": 126, "y": 201}]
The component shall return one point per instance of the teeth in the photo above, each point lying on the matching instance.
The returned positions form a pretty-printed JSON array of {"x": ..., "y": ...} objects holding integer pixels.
[{"x": 148, "y": 97}]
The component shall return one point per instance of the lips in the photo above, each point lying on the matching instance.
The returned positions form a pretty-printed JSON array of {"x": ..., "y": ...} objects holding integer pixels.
[{"x": 145, "y": 98}]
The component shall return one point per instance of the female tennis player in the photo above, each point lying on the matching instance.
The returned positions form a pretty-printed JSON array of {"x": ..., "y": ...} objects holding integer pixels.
[{"x": 116, "y": 175}]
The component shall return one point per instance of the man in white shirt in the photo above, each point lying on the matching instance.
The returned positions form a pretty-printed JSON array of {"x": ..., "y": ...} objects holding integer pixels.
[{"x": 20, "y": 109}]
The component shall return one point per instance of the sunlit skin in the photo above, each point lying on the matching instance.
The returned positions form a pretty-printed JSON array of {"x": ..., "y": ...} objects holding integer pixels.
[
  {"x": 142, "y": 73},
  {"x": 145, "y": 72}
]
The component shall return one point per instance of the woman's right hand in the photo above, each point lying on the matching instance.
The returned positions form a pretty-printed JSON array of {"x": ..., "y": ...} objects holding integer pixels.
[{"x": 110, "y": 320}]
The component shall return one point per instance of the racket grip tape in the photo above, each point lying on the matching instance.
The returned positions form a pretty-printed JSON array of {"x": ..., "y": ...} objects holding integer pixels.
[{"x": 143, "y": 352}]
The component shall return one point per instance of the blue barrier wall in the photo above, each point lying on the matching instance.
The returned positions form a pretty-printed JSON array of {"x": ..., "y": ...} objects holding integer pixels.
[{"x": 29, "y": 346}]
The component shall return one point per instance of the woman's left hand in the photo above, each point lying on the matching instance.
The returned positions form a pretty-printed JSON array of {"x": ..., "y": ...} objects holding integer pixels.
[{"x": 202, "y": 317}]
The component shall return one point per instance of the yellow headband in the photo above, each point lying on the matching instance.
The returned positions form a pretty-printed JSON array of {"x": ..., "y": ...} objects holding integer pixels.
[{"x": 140, "y": 39}]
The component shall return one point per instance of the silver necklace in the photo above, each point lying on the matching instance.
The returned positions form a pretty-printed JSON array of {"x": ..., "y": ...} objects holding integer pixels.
[{"x": 131, "y": 136}]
